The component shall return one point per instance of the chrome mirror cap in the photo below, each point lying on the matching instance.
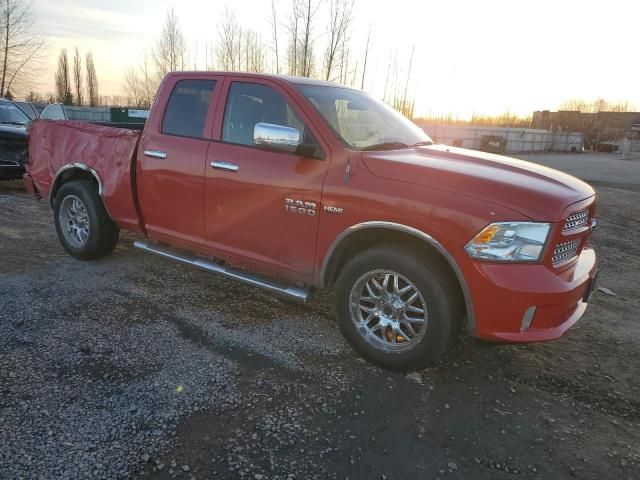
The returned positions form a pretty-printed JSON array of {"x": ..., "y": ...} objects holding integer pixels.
[{"x": 276, "y": 136}]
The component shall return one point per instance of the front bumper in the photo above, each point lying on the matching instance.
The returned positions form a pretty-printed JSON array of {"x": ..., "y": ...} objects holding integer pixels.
[{"x": 505, "y": 296}]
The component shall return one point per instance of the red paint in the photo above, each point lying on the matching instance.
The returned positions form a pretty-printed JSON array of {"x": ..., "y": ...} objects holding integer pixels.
[{"x": 448, "y": 193}]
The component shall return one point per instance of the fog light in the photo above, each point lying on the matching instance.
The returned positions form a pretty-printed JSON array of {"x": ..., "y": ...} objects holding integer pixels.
[{"x": 527, "y": 318}]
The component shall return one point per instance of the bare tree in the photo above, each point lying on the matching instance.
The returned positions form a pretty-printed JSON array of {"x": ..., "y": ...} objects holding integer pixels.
[
  {"x": 63, "y": 86},
  {"x": 34, "y": 97},
  {"x": 406, "y": 85},
  {"x": 340, "y": 16},
  {"x": 366, "y": 55},
  {"x": 344, "y": 63},
  {"x": 595, "y": 106},
  {"x": 169, "y": 54},
  {"x": 274, "y": 33},
  {"x": 133, "y": 89},
  {"x": 228, "y": 48},
  {"x": 293, "y": 28},
  {"x": 149, "y": 83},
  {"x": 92, "y": 81},
  {"x": 400, "y": 97},
  {"x": 140, "y": 85},
  {"x": 254, "y": 52},
  {"x": 171, "y": 48},
  {"x": 21, "y": 44},
  {"x": 210, "y": 56},
  {"x": 112, "y": 100},
  {"x": 300, "y": 51},
  {"x": 77, "y": 76},
  {"x": 307, "y": 41},
  {"x": 389, "y": 70}
]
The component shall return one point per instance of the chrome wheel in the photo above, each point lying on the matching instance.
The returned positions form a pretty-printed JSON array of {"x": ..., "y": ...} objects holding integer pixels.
[
  {"x": 74, "y": 221},
  {"x": 388, "y": 311}
]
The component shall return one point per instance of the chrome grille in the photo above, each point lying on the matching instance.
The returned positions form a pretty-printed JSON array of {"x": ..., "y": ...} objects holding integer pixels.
[
  {"x": 576, "y": 220},
  {"x": 565, "y": 251}
]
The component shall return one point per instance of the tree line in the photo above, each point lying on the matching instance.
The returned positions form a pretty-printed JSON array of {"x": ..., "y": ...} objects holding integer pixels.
[
  {"x": 291, "y": 48},
  {"x": 509, "y": 119},
  {"x": 22, "y": 51},
  {"x": 72, "y": 86}
]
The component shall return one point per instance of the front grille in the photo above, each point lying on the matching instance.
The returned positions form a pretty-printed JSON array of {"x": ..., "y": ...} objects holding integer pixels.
[
  {"x": 576, "y": 220},
  {"x": 565, "y": 251}
]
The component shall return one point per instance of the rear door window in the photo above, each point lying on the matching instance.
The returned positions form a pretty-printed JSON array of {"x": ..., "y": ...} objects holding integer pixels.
[{"x": 187, "y": 108}]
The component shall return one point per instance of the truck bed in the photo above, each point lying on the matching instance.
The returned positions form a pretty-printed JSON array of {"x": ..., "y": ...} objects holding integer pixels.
[
  {"x": 127, "y": 126},
  {"x": 55, "y": 146}
]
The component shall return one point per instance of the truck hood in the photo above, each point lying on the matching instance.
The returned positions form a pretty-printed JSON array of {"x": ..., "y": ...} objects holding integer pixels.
[{"x": 536, "y": 191}]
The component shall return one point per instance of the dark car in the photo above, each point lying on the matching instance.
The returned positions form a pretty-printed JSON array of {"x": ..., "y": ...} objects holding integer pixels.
[
  {"x": 29, "y": 109},
  {"x": 14, "y": 140}
]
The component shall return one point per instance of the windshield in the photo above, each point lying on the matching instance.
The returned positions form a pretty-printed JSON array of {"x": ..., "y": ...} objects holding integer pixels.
[
  {"x": 12, "y": 115},
  {"x": 361, "y": 121}
]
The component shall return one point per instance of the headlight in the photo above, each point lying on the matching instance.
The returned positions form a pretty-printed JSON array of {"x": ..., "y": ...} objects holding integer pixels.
[{"x": 509, "y": 242}]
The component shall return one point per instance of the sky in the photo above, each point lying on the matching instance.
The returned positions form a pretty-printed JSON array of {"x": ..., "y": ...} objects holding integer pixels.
[{"x": 471, "y": 56}]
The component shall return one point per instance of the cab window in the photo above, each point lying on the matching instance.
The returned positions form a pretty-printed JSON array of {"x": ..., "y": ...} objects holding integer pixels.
[{"x": 187, "y": 108}]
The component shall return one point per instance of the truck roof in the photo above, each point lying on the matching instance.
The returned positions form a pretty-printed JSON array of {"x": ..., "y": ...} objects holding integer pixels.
[{"x": 293, "y": 80}]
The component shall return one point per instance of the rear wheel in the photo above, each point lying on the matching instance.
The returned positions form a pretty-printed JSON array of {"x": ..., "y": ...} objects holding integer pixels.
[
  {"x": 83, "y": 225},
  {"x": 395, "y": 308}
]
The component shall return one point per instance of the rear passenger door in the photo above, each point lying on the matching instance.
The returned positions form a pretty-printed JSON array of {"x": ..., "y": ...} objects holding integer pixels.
[
  {"x": 171, "y": 160},
  {"x": 249, "y": 188}
]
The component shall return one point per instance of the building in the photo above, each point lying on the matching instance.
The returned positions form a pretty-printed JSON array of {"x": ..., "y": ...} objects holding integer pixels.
[
  {"x": 596, "y": 127},
  {"x": 504, "y": 139}
]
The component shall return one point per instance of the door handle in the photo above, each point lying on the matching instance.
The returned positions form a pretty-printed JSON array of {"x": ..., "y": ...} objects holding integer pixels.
[
  {"x": 226, "y": 166},
  {"x": 156, "y": 154}
]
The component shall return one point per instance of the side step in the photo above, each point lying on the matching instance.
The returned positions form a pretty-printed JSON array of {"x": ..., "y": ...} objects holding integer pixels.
[{"x": 295, "y": 294}]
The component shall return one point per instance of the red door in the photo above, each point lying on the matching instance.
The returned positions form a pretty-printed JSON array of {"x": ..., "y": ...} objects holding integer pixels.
[
  {"x": 262, "y": 206},
  {"x": 171, "y": 161}
]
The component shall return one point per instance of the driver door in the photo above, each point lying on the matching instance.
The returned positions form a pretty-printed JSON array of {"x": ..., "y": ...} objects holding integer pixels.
[{"x": 248, "y": 189}]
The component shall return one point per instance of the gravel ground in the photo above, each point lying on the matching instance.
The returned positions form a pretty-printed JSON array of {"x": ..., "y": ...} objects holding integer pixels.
[{"x": 132, "y": 366}]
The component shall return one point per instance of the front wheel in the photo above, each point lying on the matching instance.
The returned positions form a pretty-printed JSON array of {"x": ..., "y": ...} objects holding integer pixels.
[
  {"x": 84, "y": 227},
  {"x": 394, "y": 307}
]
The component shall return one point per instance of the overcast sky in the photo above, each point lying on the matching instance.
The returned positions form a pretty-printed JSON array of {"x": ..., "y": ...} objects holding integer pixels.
[{"x": 471, "y": 56}]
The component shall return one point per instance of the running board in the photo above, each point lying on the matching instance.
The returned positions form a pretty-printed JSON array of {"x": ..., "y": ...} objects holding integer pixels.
[{"x": 298, "y": 295}]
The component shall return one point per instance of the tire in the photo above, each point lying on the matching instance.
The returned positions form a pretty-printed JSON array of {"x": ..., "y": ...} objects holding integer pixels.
[
  {"x": 436, "y": 296},
  {"x": 83, "y": 225}
]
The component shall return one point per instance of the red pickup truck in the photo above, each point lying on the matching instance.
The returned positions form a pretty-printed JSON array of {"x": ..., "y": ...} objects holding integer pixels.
[{"x": 316, "y": 185}]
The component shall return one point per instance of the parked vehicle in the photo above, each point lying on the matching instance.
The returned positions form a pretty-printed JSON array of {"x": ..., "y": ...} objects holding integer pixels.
[
  {"x": 28, "y": 108},
  {"x": 322, "y": 186},
  {"x": 14, "y": 140}
]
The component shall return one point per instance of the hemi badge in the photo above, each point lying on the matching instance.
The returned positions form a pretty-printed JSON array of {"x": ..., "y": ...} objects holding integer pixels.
[{"x": 333, "y": 210}]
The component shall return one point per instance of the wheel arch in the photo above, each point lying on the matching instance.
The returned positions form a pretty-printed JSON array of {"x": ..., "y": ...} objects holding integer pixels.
[
  {"x": 360, "y": 236},
  {"x": 73, "y": 171}
]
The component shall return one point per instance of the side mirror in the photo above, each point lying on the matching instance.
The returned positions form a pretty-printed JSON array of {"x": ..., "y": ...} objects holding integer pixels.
[{"x": 276, "y": 136}]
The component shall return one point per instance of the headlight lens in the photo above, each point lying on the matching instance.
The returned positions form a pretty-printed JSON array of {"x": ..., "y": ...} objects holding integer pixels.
[{"x": 509, "y": 242}]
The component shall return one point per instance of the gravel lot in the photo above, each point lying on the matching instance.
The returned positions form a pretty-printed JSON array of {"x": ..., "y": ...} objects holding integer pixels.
[{"x": 136, "y": 367}]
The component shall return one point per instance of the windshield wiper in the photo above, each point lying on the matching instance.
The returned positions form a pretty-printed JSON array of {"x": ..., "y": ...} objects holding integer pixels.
[
  {"x": 386, "y": 146},
  {"x": 423, "y": 144},
  {"x": 14, "y": 123}
]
